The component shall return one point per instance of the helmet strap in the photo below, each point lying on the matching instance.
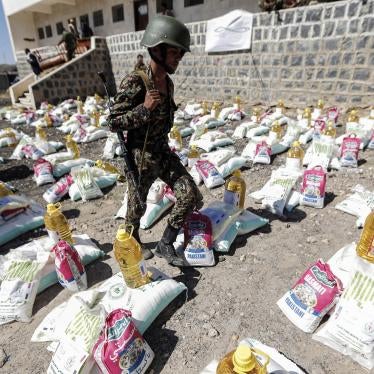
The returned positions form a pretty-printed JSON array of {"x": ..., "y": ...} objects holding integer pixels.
[{"x": 161, "y": 61}]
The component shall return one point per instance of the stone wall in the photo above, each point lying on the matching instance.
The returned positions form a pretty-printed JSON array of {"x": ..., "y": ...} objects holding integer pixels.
[
  {"x": 77, "y": 77},
  {"x": 320, "y": 51}
]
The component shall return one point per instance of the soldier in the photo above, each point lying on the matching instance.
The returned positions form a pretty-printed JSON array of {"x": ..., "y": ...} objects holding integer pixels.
[
  {"x": 140, "y": 65},
  {"x": 70, "y": 43},
  {"x": 144, "y": 107}
]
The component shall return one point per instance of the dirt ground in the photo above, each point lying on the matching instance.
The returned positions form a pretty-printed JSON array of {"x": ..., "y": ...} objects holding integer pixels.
[{"x": 226, "y": 303}]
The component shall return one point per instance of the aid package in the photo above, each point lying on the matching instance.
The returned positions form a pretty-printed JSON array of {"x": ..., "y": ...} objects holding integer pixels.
[
  {"x": 313, "y": 187},
  {"x": 121, "y": 348},
  {"x": 198, "y": 240},
  {"x": 312, "y": 296},
  {"x": 69, "y": 268},
  {"x": 349, "y": 329}
]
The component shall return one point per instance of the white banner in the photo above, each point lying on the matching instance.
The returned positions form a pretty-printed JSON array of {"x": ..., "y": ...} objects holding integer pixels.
[{"x": 231, "y": 32}]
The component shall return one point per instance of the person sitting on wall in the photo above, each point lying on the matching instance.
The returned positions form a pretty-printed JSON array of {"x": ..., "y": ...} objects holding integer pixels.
[
  {"x": 86, "y": 30},
  {"x": 70, "y": 43},
  {"x": 72, "y": 28},
  {"x": 140, "y": 65},
  {"x": 34, "y": 62}
]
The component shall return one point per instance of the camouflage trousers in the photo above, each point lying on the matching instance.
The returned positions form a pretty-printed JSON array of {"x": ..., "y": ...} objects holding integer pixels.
[{"x": 166, "y": 166}]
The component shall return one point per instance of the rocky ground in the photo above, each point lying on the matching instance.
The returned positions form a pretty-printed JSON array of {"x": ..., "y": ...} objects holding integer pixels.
[{"x": 233, "y": 300}]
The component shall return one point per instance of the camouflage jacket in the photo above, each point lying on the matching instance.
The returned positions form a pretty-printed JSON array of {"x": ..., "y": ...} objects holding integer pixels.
[{"x": 129, "y": 114}]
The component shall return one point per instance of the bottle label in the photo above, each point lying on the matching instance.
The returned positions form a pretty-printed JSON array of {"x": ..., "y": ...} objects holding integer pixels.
[
  {"x": 232, "y": 198},
  {"x": 293, "y": 163},
  {"x": 192, "y": 162},
  {"x": 136, "y": 275}
]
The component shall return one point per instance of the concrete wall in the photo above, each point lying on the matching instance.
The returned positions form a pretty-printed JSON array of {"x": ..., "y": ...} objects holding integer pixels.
[
  {"x": 321, "y": 51},
  {"x": 62, "y": 12},
  {"x": 21, "y": 26},
  {"x": 77, "y": 77}
]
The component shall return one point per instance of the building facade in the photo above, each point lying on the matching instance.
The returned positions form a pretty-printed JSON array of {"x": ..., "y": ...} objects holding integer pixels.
[{"x": 39, "y": 23}]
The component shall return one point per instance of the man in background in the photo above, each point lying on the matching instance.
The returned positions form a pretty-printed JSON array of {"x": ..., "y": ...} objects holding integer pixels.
[
  {"x": 166, "y": 11},
  {"x": 72, "y": 28},
  {"x": 140, "y": 65},
  {"x": 70, "y": 42},
  {"x": 34, "y": 62}
]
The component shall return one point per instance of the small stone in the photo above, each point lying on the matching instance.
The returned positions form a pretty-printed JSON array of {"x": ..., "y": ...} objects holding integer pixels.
[
  {"x": 242, "y": 258},
  {"x": 234, "y": 338},
  {"x": 213, "y": 333},
  {"x": 311, "y": 239},
  {"x": 203, "y": 317},
  {"x": 325, "y": 241}
]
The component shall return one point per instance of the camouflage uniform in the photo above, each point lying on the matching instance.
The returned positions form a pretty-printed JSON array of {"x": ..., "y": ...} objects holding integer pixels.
[
  {"x": 140, "y": 66},
  {"x": 129, "y": 114}
]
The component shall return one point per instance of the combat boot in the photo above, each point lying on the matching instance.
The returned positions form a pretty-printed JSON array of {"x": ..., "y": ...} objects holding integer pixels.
[
  {"x": 147, "y": 254},
  {"x": 166, "y": 249}
]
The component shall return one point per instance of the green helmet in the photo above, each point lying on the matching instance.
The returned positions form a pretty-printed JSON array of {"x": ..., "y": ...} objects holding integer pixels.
[{"x": 167, "y": 30}]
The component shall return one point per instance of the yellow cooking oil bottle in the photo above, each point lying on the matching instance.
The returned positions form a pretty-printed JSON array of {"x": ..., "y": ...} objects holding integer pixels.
[
  {"x": 330, "y": 129},
  {"x": 365, "y": 247},
  {"x": 79, "y": 105},
  {"x": 48, "y": 120},
  {"x": 128, "y": 254},
  {"x": 295, "y": 156},
  {"x": 9, "y": 133},
  {"x": 110, "y": 169},
  {"x": 175, "y": 138},
  {"x": 193, "y": 155},
  {"x": 56, "y": 224},
  {"x": 353, "y": 116},
  {"x": 257, "y": 113},
  {"x": 280, "y": 106},
  {"x": 308, "y": 116},
  {"x": 72, "y": 146},
  {"x": 4, "y": 190},
  {"x": 95, "y": 115},
  {"x": 275, "y": 132},
  {"x": 243, "y": 360},
  {"x": 237, "y": 103},
  {"x": 204, "y": 105},
  {"x": 235, "y": 190},
  {"x": 215, "y": 110},
  {"x": 40, "y": 133},
  {"x": 320, "y": 104}
]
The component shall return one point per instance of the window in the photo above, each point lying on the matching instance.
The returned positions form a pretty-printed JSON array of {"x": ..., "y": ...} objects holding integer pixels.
[
  {"x": 117, "y": 13},
  {"x": 98, "y": 18},
  {"x": 41, "y": 32},
  {"x": 84, "y": 20},
  {"x": 168, "y": 3},
  {"x": 48, "y": 31},
  {"x": 192, "y": 2},
  {"x": 59, "y": 28}
]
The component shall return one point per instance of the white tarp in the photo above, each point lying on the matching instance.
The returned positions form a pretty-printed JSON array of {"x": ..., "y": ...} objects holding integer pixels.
[{"x": 231, "y": 32}]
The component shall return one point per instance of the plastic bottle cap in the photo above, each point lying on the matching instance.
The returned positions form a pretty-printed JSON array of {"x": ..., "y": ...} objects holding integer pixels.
[
  {"x": 243, "y": 359},
  {"x": 236, "y": 173},
  {"x": 52, "y": 208},
  {"x": 122, "y": 235}
]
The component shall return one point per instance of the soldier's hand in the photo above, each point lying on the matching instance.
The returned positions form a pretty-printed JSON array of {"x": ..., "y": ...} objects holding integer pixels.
[{"x": 152, "y": 99}]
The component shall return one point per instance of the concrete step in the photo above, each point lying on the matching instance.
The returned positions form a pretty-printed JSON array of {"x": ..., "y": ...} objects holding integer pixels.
[{"x": 24, "y": 101}]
